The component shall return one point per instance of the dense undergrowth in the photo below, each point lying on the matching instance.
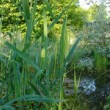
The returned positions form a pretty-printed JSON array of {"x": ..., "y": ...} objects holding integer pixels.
[{"x": 33, "y": 69}]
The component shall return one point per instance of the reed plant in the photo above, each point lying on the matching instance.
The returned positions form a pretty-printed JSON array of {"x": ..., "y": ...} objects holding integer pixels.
[{"x": 33, "y": 70}]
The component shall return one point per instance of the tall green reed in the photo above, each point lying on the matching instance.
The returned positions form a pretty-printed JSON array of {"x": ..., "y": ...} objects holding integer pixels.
[{"x": 43, "y": 73}]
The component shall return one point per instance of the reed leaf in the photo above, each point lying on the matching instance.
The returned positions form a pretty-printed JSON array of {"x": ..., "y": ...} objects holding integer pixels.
[
  {"x": 36, "y": 98},
  {"x": 26, "y": 10},
  {"x": 59, "y": 16},
  {"x": 30, "y": 24},
  {"x": 71, "y": 52},
  {"x": 38, "y": 86},
  {"x": 34, "y": 88},
  {"x": 26, "y": 58},
  {"x": 49, "y": 9},
  {"x": 62, "y": 43},
  {"x": 7, "y": 108}
]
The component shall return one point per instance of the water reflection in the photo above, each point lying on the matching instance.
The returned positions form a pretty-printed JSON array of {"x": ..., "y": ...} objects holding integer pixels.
[{"x": 86, "y": 85}]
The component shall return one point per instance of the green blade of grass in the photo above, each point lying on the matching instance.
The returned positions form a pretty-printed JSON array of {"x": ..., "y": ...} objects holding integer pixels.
[
  {"x": 7, "y": 108},
  {"x": 42, "y": 87},
  {"x": 61, "y": 59},
  {"x": 62, "y": 43},
  {"x": 36, "y": 98},
  {"x": 72, "y": 50},
  {"x": 38, "y": 85},
  {"x": 26, "y": 10},
  {"x": 46, "y": 45},
  {"x": 34, "y": 88},
  {"x": 55, "y": 21},
  {"x": 17, "y": 80},
  {"x": 49, "y": 9},
  {"x": 30, "y": 25},
  {"x": 59, "y": 16},
  {"x": 23, "y": 56}
]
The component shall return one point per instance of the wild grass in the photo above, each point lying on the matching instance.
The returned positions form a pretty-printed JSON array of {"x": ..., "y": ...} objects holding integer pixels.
[{"x": 32, "y": 71}]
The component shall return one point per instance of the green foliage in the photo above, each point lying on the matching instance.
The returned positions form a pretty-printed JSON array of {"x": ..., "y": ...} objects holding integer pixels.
[
  {"x": 38, "y": 66},
  {"x": 91, "y": 12},
  {"x": 13, "y": 19}
]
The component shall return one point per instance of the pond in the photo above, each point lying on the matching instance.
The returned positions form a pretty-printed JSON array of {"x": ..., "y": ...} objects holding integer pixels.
[{"x": 95, "y": 96}]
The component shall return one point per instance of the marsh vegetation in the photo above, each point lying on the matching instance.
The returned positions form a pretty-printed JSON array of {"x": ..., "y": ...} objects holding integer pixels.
[{"x": 54, "y": 55}]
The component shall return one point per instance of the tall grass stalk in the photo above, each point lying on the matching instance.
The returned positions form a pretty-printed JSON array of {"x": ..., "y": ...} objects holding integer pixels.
[
  {"x": 62, "y": 56},
  {"x": 30, "y": 20}
]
